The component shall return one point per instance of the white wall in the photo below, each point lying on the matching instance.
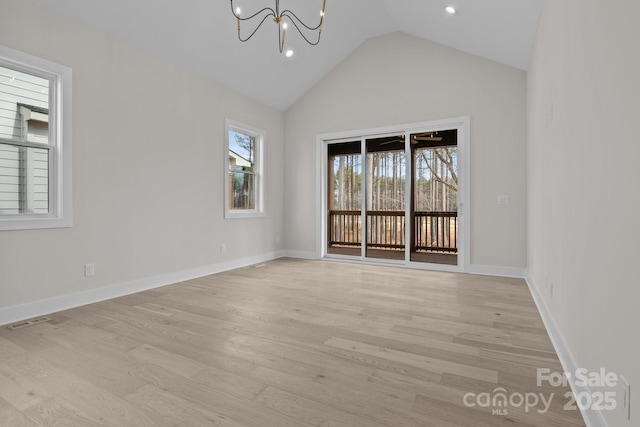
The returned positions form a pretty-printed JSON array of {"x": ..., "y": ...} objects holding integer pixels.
[
  {"x": 396, "y": 79},
  {"x": 583, "y": 153},
  {"x": 148, "y": 146}
]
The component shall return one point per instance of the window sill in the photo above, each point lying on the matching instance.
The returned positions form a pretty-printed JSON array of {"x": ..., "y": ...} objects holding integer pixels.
[
  {"x": 19, "y": 222},
  {"x": 244, "y": 214}
]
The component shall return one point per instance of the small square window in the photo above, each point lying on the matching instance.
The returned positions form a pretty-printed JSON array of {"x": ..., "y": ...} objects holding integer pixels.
[{"x": 244, "y": 160}]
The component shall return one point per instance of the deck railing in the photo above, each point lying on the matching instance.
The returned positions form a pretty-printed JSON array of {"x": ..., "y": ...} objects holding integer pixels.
[
  {"x": 436, "y": 231},
  {"x": 345, "y": 228},
  {"x": 385, "y": 229},
  {"x": 432, "y": 231}
]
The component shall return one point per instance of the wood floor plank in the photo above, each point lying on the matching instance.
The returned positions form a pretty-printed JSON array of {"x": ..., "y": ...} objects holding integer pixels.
[
  {"x": 215, "y": 401},
  {"x": 369, "y": 403},
  {"x": 310, "y": 355},
  {"x": 292, "y": 343},
  {"x": 55, "y": 412},
  {"x": 168, "y": 409},
  {"x": 20, "y": 391},
  {"x": 105, "y": 407},
  {"x": 429, "y": 364},
  {"x": 12, "y": 416},
  {"x": 309, "y": 411},
  {"x": 234, "y": 384},
  {"x": 82, "y": 360}
]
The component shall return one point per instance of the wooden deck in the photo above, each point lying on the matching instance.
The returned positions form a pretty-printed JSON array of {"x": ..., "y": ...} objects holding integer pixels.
[
  {"x": 294, "y": 343},
  {"x": 426, "y": 257}
]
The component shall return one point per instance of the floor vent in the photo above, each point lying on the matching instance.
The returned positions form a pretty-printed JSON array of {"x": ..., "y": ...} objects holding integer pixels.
[{"x": 29, "y": 322}]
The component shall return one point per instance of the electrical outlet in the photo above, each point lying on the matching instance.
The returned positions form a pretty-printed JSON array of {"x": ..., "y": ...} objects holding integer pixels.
[
  {"x": 223, "y": 248},
  {"x": 503, "y": 200},
  {"x": 89, "y": 270}
]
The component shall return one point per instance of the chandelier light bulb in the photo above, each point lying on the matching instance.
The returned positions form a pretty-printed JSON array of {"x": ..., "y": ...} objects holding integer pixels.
[
  {"x": 450, "y": 9},
  {"x": 284, "y": 25},
  {"x": 289, "y": 53},
  {"x": 238, "y": 11}
]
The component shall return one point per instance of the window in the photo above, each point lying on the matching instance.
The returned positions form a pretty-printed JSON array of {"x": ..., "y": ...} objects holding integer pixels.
[
  {"x": 35, "y": 145},
  {"x": 244, "y": 169}
]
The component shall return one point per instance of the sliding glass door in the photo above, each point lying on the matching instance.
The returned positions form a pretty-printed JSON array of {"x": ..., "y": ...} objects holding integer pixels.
[
  {"x": 394, "y": 197},
  {"x": 434, "y": 157},
  {"x": 385, "y": 191},
  {"x": 344, "y": 198}
]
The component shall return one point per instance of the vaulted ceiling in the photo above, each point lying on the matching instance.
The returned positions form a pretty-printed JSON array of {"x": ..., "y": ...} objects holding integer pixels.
[{"x": 201, "y": 35}]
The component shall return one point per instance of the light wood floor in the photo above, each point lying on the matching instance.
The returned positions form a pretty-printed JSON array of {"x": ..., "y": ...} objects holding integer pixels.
[{"x": 293, "y": 343}]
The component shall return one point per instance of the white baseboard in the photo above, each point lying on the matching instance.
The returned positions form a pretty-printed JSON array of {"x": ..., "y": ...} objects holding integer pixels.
[
  {"x": 591, "y": 418},
  {"x": 494, "y": 270},
  {"x": 51, "y": 305},
  {"x": 487, "y": 270},
  {"x": 301, "y": 254}
]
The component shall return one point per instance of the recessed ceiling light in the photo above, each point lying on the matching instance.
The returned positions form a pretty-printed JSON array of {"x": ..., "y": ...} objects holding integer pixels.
[
  {"x": 450, "y": 9},
  {"x": 289, "y": 53}
]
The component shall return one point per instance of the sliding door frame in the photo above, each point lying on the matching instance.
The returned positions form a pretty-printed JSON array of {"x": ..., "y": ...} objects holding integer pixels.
[{"x": 462, "y": 126}]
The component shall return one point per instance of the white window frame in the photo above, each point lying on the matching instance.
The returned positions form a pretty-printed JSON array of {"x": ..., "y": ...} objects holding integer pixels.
[
  {"x": 259, "y": 162},
  {"x": 60, "y": 194}
]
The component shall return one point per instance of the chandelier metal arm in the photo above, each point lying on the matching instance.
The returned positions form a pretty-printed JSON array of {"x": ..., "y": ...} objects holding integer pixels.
[
  {"x": 255, "y": 30},
  {"x": 293, "y": 21},
  {"x": 293, "y": 18},
  {"x": 271, "y": 13}
]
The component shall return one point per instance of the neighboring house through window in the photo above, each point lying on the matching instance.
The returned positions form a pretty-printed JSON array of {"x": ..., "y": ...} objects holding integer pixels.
[{"x": 35, "y": 156}]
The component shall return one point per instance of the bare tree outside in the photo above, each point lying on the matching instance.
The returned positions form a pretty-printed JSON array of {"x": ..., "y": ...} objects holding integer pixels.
[
  {"x": 436, "y": 179},
  {"x": 246, "y": 144},
  {"x": 347, "y": 182},
  {"x": 386, "y": 181},
  {"x": 436, "y": 191}
]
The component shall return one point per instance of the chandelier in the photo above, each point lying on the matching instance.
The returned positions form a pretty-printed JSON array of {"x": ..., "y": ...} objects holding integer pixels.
[{"x": 281, "y": 18}]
